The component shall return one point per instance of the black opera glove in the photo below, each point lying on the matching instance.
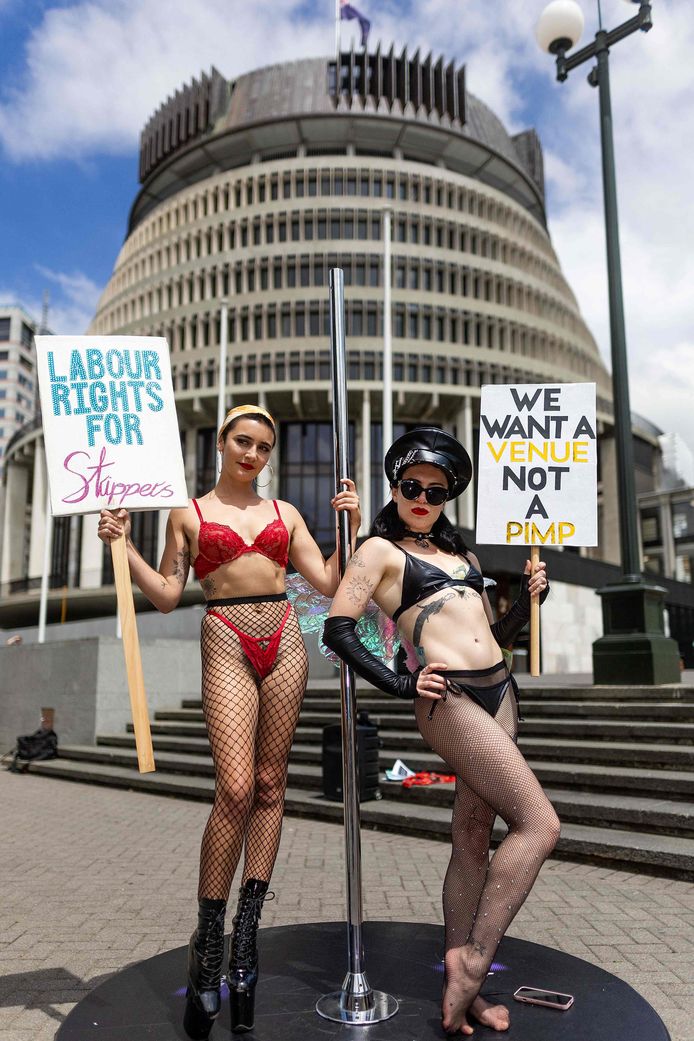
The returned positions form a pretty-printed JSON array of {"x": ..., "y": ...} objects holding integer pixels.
[
  {"x": 340, "y": 636},
  {"x": 507, "y": 628}
]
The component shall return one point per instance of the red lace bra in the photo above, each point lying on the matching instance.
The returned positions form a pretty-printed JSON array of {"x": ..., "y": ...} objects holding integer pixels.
[{"x": 219, "y": 544}]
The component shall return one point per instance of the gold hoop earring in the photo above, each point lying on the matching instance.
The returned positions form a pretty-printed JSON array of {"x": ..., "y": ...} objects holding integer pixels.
[{"x": 268, "y": 466}]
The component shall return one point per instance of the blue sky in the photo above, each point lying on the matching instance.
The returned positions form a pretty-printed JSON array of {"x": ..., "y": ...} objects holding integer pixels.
[{"x": 79, "y": 79}]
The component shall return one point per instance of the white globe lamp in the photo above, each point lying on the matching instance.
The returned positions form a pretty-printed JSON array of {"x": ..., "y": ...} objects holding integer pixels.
[{"x": 560, "y": 26}]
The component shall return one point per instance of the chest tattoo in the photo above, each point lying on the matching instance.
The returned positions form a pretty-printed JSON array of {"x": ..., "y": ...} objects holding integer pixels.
[{"x": 429, "y": 610}]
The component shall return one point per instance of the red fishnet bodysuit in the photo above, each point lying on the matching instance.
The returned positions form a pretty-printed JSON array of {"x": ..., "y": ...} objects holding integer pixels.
[{"x": 251, "y": 703}]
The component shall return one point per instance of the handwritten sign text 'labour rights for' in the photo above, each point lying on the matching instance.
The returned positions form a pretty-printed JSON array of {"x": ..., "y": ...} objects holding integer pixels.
[
  {"x": 538, "y": 465},
  {"x": 109, "y": 423}
]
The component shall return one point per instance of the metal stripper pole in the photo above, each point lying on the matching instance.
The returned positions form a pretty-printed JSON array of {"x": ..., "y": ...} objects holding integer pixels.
[
  {"x": 356, "y": 1003},
  {"x": 387, "y": 438}
]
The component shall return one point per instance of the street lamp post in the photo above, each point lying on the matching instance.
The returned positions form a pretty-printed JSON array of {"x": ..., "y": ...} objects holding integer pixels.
[{"x": 634, "y": 648}]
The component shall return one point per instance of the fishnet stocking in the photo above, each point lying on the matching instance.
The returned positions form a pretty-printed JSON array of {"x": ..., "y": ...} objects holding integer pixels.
[
  {"x": 250, "y": 724},
  {"x": 481, "y": 897}
]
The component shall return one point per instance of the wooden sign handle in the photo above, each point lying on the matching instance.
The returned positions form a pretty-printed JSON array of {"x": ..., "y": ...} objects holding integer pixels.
[
  {"x": 133, "y": 660},
  {"x": 534, "y": 617}
]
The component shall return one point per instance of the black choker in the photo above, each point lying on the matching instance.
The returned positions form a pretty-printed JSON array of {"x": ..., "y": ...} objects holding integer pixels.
[{"x": 420, "y": 537}]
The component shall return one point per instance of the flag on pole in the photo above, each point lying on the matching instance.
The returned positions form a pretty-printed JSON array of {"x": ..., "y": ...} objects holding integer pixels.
[{"x": 348, "y": 11}]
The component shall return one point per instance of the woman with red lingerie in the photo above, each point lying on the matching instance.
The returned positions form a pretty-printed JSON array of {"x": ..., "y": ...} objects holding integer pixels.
[{"x": 254, "y": 672}]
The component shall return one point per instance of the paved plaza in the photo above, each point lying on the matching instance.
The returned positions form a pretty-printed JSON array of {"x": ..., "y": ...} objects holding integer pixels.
[{"x": 94, "y": 879}]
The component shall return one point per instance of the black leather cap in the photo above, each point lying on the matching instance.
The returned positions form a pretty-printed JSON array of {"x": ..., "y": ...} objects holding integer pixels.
[{"x": 434, "y": 446}]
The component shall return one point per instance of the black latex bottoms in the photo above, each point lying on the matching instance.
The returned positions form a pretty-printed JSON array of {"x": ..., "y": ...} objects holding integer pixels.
[{"x": 485, "y": 686}]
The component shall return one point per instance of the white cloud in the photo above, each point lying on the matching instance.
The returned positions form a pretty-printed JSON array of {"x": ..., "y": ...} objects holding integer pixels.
[
  {"x": 72, "y": 301},
  {"x": 96, "y": 70}
]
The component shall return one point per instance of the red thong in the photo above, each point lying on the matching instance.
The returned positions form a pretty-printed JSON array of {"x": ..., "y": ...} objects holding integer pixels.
[
  {"x": 219, "y": 544},
  {"x": 261, "y": 651}
]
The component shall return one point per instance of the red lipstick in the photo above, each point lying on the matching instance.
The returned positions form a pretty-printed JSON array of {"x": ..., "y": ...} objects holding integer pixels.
[
  {"x": 420, "y": 511},
  {"x": 248, "y": 466}
]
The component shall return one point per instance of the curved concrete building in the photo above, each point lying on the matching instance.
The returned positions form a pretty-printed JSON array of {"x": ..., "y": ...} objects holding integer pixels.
[{"x": 251, "y": 191}]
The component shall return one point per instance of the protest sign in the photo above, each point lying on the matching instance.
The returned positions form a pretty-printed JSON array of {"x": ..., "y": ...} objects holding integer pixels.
[
  {"x": 537, "y": 475},
  {"x": 112, "y": 440},
  {"x": 109, "y": 421}
]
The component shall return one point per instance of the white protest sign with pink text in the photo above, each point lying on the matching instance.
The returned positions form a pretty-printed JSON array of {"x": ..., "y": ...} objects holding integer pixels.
[
  {"x": 109, "y": 423},
  {"x": 537, "y": 478}
]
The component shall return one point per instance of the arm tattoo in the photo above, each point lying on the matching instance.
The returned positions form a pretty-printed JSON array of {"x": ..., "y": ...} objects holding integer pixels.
[
  {"x": 359, "y": 591},
  {"x": 181, "y": 563},
  {"x": 355, "y": 561},
  {"x": 208, "y": 586}
]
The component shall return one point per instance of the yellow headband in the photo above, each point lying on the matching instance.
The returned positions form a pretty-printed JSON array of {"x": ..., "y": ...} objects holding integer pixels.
[{"x": 244, "y": 410}]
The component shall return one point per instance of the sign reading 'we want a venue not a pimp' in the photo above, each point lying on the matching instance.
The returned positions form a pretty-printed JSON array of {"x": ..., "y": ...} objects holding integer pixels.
[
  {"x": 110, "y": 426},
  {"x": 537, "y": 482}
]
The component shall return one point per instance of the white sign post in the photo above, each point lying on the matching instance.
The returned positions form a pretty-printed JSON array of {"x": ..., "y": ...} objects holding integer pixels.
[
  {"x": 112, "y": 441},
  {"x": 537, "y": 476}
]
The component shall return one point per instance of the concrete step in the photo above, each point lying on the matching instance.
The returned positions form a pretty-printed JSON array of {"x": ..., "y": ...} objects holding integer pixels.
[
  {"x": 397, "y": 744},
  {"x": 387, "y": 709},
  {"x": 599, "y": 809},
  {"x": 595, "y": 729},
  {"x": 410, "y": 747},
  {"x": 670, "y": 854},
  {"x": 675, "y": 724},
  {"x": 531, "y": 690},
  {"x": 191, "y": 745},
  {"x": 675, "y": 784},
  {"x": 594, "y": 809},
  {"x": 403, "y": 729},
  {"x": 195, "y": 765},
  {"x": 393, "y": 713}
]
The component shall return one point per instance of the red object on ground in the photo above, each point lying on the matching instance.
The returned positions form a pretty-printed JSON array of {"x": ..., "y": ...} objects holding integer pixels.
[{"x": 426, "y": 777}]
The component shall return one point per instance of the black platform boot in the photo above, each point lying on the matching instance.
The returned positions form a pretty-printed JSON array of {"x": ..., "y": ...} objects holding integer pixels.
[
  {"x": 243, "y": 955},
  {"x": 205, "y": 957}
]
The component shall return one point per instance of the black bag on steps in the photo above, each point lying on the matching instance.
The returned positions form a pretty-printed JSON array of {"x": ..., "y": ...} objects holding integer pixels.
[{"x": 42, "y": 744}]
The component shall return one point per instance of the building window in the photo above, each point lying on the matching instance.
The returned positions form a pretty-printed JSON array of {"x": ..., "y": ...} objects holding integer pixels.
[
  {"x": 66, "y": 552},
  {"x": 306, "y": 479},
  {"x": 5, "y": 324},
  {"x": 27, "y": 336},
  {"x": 376, "y": 461},
  {"x": 205, "y": 462}
]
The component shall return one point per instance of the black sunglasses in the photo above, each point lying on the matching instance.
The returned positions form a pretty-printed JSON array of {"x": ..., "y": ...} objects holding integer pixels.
[{"x": 435, "y": 495}]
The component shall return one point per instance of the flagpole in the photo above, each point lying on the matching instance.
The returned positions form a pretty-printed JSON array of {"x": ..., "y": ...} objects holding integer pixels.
[{"x": 337, "y": 38}]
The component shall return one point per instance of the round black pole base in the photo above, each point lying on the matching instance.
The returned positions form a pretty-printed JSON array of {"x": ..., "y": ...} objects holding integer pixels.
[{"x": 299, "y": 963}]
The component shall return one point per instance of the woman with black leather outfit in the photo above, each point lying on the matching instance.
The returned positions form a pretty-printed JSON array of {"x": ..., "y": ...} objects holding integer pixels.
[
  {"x": 254, "y": 671},
  {"x": 417, "y": 569}
]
